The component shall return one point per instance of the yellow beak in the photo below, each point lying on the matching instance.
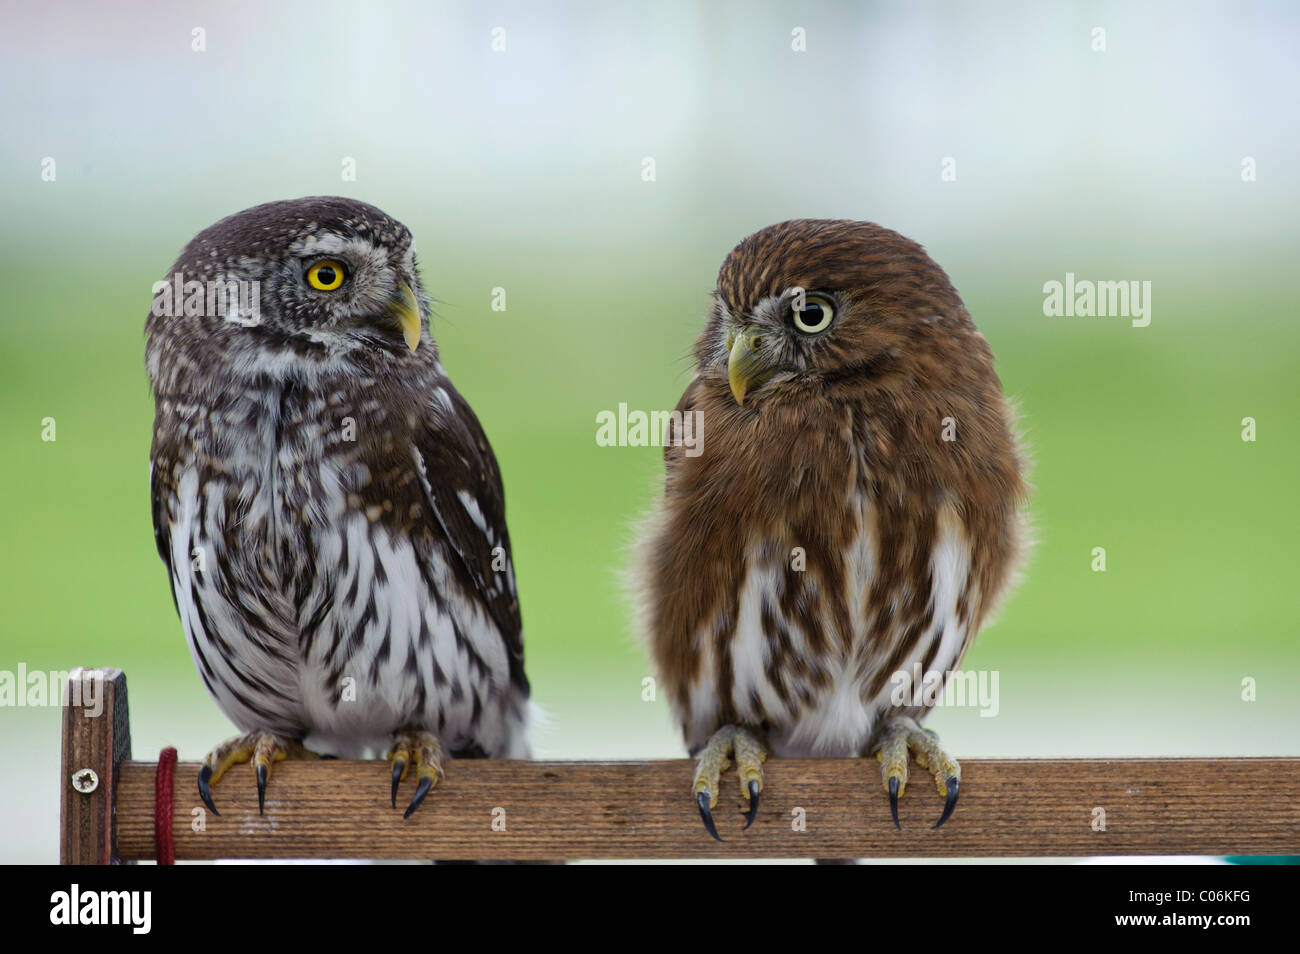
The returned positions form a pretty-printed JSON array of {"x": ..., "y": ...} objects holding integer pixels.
[
  {"x": 406, "y": 312},
  {"x": 747, "y": 368}
]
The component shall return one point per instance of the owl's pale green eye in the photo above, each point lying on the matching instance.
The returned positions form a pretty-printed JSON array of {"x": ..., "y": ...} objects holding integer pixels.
[
  {"x": 816, "y": 315},
  {"x": 326, "y": 275}
]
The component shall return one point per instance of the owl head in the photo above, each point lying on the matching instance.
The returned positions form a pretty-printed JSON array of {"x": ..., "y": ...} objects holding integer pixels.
[
  {"x": 297, "y": 284},
  {"x": 812, "y": 304}
]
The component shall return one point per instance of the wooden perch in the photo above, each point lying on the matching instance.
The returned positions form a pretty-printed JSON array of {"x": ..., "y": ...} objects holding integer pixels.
[
  {"x": 645, "y": 810},
  {"x": 827, "y": 808}
]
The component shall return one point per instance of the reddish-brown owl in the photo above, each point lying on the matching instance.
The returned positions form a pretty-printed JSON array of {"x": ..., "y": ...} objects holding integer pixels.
[{"x": 852, "y": 508}]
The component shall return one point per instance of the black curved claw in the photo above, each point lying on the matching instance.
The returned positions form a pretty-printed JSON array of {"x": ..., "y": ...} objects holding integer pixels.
[
  {"x": 205, "y": 791},
  {"x": 950, "y": 783},
  {"x": 261, "y": 788},
  {"x": 706, "y": 813},
  {"x": 421, "y": 790},
  {"x": 753, "y": 803},
  {"x": 893, "y": 800},
  {"x": 398, "y": 768}
]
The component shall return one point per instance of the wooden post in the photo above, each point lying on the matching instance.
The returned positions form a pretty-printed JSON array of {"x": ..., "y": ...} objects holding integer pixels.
[
  {"x": 811, "y": 808},
  {"x": 96, "y": 741}
]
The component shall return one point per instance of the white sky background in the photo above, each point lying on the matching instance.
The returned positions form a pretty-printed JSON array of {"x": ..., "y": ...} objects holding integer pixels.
[{"x": 1055, "y": 144}]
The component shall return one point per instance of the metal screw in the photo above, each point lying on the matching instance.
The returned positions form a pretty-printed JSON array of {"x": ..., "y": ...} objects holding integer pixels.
[{"x": 85, "y": 781}]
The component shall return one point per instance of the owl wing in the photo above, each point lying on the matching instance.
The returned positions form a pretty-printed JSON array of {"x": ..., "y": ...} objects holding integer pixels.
[
  {"x": 161, "y": 522},
  {"x": 464, "y": 490}
]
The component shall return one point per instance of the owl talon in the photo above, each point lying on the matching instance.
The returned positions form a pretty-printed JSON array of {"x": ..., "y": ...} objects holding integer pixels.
[
  {"x": 950, "y": 800},
  {"x": 706, "y": 813},
  {"x": 902, "y": 736},
  {"x": 205, "y": 788},
  {"x": 753, "y": 804},
  {"x": 421, "y": 790},
  {"x": 715, "y": 758},
  {"x": 261, "y": 748},
  {"x": 421, "y": 749},
  {"x": 399, "y": 770},
  {"x": 261, "y": 788}
]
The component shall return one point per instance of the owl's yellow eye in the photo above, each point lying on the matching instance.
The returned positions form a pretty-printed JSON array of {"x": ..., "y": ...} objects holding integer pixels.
[
  {"x": 816, "y": 315},
  {"x": 326, "y": 275}
]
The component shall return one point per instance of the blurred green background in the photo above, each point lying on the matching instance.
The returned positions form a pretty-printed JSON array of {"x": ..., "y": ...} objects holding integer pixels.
[{"x": 522, "y": 169}]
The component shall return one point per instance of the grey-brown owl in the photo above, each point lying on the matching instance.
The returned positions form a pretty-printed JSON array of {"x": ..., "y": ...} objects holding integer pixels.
[
  {"x": 852, "y": 508},
  {"x": 327, "y": 505}
]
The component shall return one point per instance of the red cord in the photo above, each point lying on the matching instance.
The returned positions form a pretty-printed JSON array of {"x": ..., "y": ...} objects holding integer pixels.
[{"x": 163, "y": 785}]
